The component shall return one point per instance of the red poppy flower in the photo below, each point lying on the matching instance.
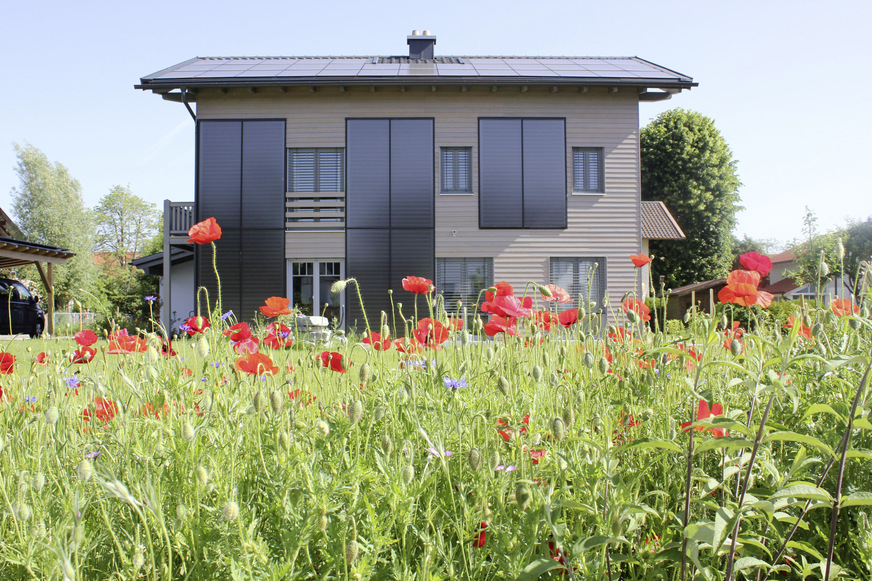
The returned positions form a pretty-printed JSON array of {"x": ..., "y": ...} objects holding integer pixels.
[
  {"x": 481, "y": 536},
  {"x": 741, "y": 294},
  {"x": 507, "y": 432},
  {"x": 157, "y": 411},
  {"x": 568, "y": 318},
  {"x": 619, "y": 335},
  {"x": 705, "y": 412},
  {"x": 501, "y": 289},
  {"x": 278, "y": 336},
  {"x": 745, "y": 277},
  {"x": 544, "y": 319},
  {"x": 166, "y": 348},
  {"x": 120, "y": 343},
  {"x": 418, "y": 285},
  {"x": 455, "y": 324},
  {"x": 844, "y": 307},
  {"x": 240, "y": 337},
  {"x": 276, "y": 306},
  {"x": 333, "y": 360},
  {"x": 557, "y": 294},
  {"x": 802, "y": 330},
  {"x": 204, "y": 232},
  {"x": 7, "y": 363},
  {"x": 756, "y": 261},
  {"x": 536, "y": 455},
  {"x": 85, "y": 338},
  {"x": 431, "y": 333},
  {"x": 84, "y": 355},
  {"x": 640, "y": 260},
  {"x": 764, "y": 299},
  {"x": 638, "y": 307},
  {"x": 304, "y": 397},
  {"x": 508, "y": 306},
  {"x": 41, "y": 358},
  {"x": 407, "y": 345},
  {"x": 256, "y": 364},
  {"x": 195, "y": 325},
  {"x": 377, "y": 342},
  {"x": 499, "y": 324},
  {"x": 104, "y": 410}
]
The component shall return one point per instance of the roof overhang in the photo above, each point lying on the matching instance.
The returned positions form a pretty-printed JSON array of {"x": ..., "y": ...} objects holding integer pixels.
[{"x": 19, "y": 253}]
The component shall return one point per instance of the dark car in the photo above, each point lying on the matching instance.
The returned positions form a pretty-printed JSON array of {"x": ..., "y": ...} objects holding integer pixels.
[{"x": 20, "y": 312}]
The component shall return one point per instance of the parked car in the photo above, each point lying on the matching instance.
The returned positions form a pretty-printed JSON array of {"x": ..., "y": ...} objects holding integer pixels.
[{"x": 20, "y": 312}]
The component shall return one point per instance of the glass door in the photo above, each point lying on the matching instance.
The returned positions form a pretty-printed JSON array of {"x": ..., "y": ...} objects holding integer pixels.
[{"x": 310, "y": 282}]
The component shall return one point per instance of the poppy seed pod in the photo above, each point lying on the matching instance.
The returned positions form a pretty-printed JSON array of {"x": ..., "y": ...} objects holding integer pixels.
[
  {"x": 523, "y": 496},
  {"x": 558, "y": 429},
  {"x": 202, "y": 347},
  {"x": 537, "y": 373},
  {"x": 356, "y": 411},
  {"x": 365, "y": 372},
  {"x": 85, "y": 470},
  {"x": 230, "y": 511},
  {"x": 51, "y": 416},
  {"x": 408, "y": 474},
  {"x": 276, "y": 402},
  {"x": 188, "y": 432},
  {"x": 202, "y": 475},
  {"x": 504, "y": 386},
  {"x": 474, "y": 459}
]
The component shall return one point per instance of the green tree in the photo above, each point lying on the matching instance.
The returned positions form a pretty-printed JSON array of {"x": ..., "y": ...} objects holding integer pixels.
[
  {"x": 817, "y": 258},
  {"x": 49, "y": 210},
  {"x": 858, "y": 248},
  {"x": 687, "y": 164},
  {"x": 125, "y": 223}
]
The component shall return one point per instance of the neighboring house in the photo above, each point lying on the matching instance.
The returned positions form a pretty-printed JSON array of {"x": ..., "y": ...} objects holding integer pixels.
[
  {"x": 465, "y": 170},
  {"x": 782, "y": 286}
]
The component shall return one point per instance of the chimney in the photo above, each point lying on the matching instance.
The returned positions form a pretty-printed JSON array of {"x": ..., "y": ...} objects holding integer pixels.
[{"x": 421, "y": 44}]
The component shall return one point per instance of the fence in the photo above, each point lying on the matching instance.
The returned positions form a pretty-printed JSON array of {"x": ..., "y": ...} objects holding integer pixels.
[{"x": 70, "y": 323}]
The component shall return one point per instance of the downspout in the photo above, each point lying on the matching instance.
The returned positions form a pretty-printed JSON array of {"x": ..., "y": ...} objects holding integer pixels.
[{"x": 185, "y": 101}]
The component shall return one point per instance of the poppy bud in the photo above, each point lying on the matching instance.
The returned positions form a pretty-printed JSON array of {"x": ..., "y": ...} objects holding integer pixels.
[
  {"x": 492, "y": 289},
  {"x": 188, "y": 432},
  {"x": 495, "y": 459},
  {"x": 687, "y": 317},
  {"x": 546, "y": 359},
  {"x": 138, "y": 559},
  {"x": 356, "y": 411},
  {"x": 38, "y": 481},
  {"x": 153, "y": 355},
  {"x": 51, "y": 417},
  {"x": 351, "y": 551},
  {"x": 735, "y": 347},
  {"x": 489, "y": 354},
  {"x": 854, "y": 323},
  {"x": 631, "y": 316},
  {"x": 568, "y": 417},
  {"x": 181, "y": 512},
  {"x": 152, "y": 373},
  {"x": 465, "y": 338},
  {"x": 276, "y": 402},
  {"x": 85, "y": 470},
  {"x": 387, "y": 445},
  {"x": 323, "y": 521},
  {"x": 285, "y": 441},
  {"x": 806, "y": 320},
  {"x": 230, "y": 511},
  {"x": 523, "y": 496},
  {"x": 537, "y": 373},
  {"x": 504, "y": 386},
  {"x": 338, "y": 286},
  {"x": 562, "y": 351},
  {"x": 202, "y": 347},
  {"x": 724, "y": 321},
  {"x": 365, "y": 373},
  {"x": 474, "y": 459},
  {"x": 581, "y": 313},
  {"x": 22, "y": 511},
  {"x": 817, "y": 330},
  {"x": 580, "y": 397},
  {"x": 322, "y": 427},
  {"x": 588, "y": 360},
  {"x": 603, "y": 365},
  {"x": 259, "y": 402},
  {"x": 408, "y": 474},
  {"x": 562, "y": 464},
  {"x": 545, "y": 291},
  {"x": 825, "y": 270},
  {"x": 558, "y": 429},
  {"x": 840, "y": 250},
  {"x": 478, "y": 323}
]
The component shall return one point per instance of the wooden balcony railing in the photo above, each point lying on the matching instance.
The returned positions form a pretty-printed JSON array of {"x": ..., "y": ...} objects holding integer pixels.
[{"x": 319, "y": 211}]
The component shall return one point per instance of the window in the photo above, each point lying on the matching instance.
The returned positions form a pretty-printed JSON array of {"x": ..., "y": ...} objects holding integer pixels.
[
  {"x": 461, "y": 279},
  {"x": 456, "y": 170},
  {"x": 310, "y": 284},
  {"x": 584, "y": 277},
  {"x": 587, "y": 170},
  {"x": 316, "y": 169}
]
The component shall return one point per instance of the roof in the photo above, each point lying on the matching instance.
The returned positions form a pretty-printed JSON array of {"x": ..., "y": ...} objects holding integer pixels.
[
  {"x": 15, "y": 252},
  {"x": 782, "y": 257},
  {"x": 153, "y": 263},
  {"x": 9, "y": 228},
  {"x": 658, "y": 223},
  {"x": 784, "y": 285},
  {"x": 698, "y": 286},
  {"x": 222, "y": 72}
]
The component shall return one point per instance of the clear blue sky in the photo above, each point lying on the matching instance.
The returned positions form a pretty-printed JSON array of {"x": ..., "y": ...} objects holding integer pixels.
[{"x": 787, "y": 82}]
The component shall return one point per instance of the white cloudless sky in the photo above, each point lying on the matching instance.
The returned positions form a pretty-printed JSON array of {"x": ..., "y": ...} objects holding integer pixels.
[{"x": 787, "y": 83}]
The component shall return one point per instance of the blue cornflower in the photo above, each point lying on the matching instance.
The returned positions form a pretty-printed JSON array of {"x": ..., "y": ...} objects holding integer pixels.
[
  {"x": 454, "y": 384},
  {"x": 184, "y": 327},
  {"x": 151, "y": 298},
  {"x": 226, "y": 315},
  {"x": 29, "y": 399},
  {"x": 73, "y": 382}
]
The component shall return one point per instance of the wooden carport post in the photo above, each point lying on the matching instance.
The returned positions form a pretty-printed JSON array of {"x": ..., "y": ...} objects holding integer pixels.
[{"x": 48, "y": 283}]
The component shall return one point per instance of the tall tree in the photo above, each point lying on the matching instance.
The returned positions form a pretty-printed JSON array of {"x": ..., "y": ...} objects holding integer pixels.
[
  {"x": 858, "y": 248},
  {"x": 817, "y": 257},
  {"x": 687, "y": 164},
  {"x": 125, "y": 223},
  {"x": 49, "y": 210}
]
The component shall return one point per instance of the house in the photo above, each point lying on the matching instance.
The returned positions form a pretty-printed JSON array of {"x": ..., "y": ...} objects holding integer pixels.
[
  {"x": 465, "y": 170},
  {"x": 783, "y": 286}
]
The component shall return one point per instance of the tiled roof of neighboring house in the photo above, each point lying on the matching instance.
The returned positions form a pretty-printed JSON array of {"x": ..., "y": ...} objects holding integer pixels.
[
  {"x": 698, "y": 286},
  {"x": 782, "y": 286},
  {"x": 658, "y": 223},
  {"x": 223, "y": 72},
  {"x": 782, "y": 257}
]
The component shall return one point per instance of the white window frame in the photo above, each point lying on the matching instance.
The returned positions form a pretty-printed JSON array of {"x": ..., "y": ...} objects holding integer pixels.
[{"x": 317, "y": 306}]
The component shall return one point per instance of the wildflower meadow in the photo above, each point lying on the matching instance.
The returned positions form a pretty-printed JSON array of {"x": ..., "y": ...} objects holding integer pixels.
[{"x": 529, "y": 436}]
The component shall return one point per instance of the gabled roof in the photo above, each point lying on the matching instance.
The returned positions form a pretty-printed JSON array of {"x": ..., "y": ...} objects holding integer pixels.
[
  {"x": 224, "y": 72},
  {"x": 153, "y": 263},
  {"x": 784, "y": 285},
  {"x": 782, "y": 257},
  {"x": 698, "y": 286},
  {"x": 658, "y": 223}
]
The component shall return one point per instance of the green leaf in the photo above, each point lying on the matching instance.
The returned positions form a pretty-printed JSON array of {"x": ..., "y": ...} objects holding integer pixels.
[
  {"x": 822, "y": 408},
  {"x": 748, "y": 562},
  {"x": 800, "y": 438},
  {"x": 803, "y": 491},
  {"x": 727, "y": 442},
  {"x": 537, "y": 568},
  {"x": 857, "y": 499},
  {"x": 596, "y": 541},
  {"x": 806, "y": 548},
  {"x": 644, "y": 443},
  {"x": 724, "y": 522}
]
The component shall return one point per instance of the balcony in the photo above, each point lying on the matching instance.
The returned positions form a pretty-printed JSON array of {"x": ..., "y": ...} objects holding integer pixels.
[
  {"x": 314, "y": 212},
  {"x": 178, "y": 219}
]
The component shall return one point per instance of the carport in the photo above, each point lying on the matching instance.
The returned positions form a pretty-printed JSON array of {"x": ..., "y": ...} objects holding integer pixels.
[{"x": 15, "y": 252}]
